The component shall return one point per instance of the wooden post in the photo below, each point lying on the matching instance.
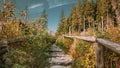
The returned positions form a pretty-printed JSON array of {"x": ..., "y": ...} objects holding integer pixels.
[
  {"x": 73, "y": 47},
  {"x": 69, "y": 30},
  {"x": 102, "y": 23},
  {"x": 99, "y": 56},
  {"x": 3, "y": 50},
  {"x": 84, "y": 24}
]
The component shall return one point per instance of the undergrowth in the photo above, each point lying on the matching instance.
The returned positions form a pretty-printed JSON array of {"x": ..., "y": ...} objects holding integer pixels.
[{"x": 31, "y": 52}]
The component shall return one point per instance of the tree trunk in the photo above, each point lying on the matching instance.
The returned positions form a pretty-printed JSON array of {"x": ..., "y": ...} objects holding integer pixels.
[
  {"x": 102, "y": 23},
  {"x": 84, "y": 24},
  {"x": 79, "y": 29},
  {"x": 107, "y": 20},
  {"x": 117, "y": 16}
]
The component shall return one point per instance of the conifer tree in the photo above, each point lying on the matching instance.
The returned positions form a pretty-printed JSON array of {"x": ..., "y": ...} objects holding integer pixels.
[
  {"x": 79, "y": 15},
  {"x": 88, "y": 11},
  {"x": 104, "y": 13},
  {"x": 7, "y": 10},
  {"x": 60, "y": 29},
  {"x": 116, "y": 9},
  {"x": 74, "y": 19},
  {"x": 43, "y": 20}
]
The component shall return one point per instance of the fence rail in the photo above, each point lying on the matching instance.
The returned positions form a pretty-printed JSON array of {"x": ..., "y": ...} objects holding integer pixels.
[{"x": 99, "y": 43}]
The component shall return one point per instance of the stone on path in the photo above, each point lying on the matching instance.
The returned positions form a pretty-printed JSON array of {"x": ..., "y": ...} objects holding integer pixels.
[
  {"x": 61, "y": 60},
  {"x": 58, "y": 58},
  {"x": 59, "y": 66},
  {"x": 55, "y": 48}
]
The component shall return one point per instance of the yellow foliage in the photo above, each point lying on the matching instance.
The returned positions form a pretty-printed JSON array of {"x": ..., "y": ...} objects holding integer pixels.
[
  {"x": 85, "y": 51},
  {"x": 10, "y": 30}
]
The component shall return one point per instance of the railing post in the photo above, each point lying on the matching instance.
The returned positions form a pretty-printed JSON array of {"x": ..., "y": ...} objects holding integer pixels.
[
  {"x": 99, "y": 55},
  {"x": 73, "y": 47},
  {"x": 3, "y": 50}
]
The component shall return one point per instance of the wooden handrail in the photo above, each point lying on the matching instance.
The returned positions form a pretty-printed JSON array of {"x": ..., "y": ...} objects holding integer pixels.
[
  {"x": 4, "y": 43},
  {"x": 88, "y": 38},
  {"x": 99, "y": 43},
  {"x": 109, "y": 44},
  {"x": 13, "y": 40}
]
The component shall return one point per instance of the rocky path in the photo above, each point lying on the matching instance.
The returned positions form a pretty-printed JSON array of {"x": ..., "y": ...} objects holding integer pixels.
[{"x": 58, "y": 59}]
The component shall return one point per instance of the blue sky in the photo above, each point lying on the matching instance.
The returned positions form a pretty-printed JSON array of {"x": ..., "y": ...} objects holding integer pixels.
[{"x": 53, "y": 8}]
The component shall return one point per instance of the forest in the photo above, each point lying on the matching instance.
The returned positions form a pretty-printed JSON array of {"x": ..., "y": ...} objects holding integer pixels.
[
  {"x": 98, "y": 18},
  {"x": 28, "y": 41}
]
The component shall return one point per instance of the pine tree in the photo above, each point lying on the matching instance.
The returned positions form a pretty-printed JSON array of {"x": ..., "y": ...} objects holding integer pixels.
[
  {"x": 89, "y": 12},
  {"x": 101, "y": 12},
  {"x": 79, "y": 15},
  {"x": 69, "y": 21},
  {"x": 7, "y": 10},
  {"x": 104, "y": 13},
  {"x": 66, "y": 26},
  {"x": 116, "y": 9},
  {"x": 43, "y": 20},
  {"x": 60, "y": 29},
  {"x": 74, "y": 20}
]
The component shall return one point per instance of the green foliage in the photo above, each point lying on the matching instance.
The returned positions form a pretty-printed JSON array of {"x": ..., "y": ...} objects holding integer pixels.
[
  {"x": 7, "y": 10},
  {"x": 43, "y": 20},
  {"x": 88, "y": 8},
  {"x": 85, "y": 55},
  {"x": 31, "y": 51},
  {"x": 92, "y": 16},
  {"x": 61, "y": 25},
  {"x": 84, "y": 52},
  {"x": 111, "y": 59},
  {"x": 64, "y": 44},
  {"x": 30, "y": 41}
]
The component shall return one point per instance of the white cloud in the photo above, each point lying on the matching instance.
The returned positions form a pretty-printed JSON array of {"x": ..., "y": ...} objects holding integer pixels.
[
  {"x": 58, "y": 3},
  {"x": 35, "y": 6}
]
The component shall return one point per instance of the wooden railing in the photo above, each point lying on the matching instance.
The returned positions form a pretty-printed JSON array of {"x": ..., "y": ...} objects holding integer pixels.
[
  {"x": 4, "y": 46},
  {"x": 5, "y": 42},
  {"x": 99, "y": 43},
  {"x": 3, "y": 50}
]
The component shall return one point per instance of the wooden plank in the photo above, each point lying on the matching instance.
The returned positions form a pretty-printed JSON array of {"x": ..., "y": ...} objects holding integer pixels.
[
  {"x": 109, "y": 44},
  {"x": 99, "y": 56},
  {"x": 88, "y": 38}
]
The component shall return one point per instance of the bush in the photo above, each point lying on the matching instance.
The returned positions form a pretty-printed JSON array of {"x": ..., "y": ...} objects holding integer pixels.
[
  {"x": 85, "y": 55},
  {"x": 31, "y": 51},
  {"x": 64, "y": 44}
]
